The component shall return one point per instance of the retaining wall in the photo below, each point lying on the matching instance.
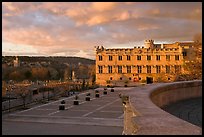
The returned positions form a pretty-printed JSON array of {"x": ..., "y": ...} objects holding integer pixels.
[{"x": 147, "y": 118}]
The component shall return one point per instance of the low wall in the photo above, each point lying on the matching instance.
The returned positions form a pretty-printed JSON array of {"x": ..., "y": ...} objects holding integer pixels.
[
  {"x": 176, "y": 91},
  {"x": 147, "y": 118}
]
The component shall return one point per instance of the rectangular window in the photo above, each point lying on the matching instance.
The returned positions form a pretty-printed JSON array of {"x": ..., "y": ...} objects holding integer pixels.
[
  {"x": 139, "y": 69},
  {"x": 120, "y": 57},
  {"x": 167, "y": 69},
  {"x": 138, "y": 57},
  {"x": 100, "y": 69},
  {"x": 148, "y": 57},
  {"x": 110, "y": 58},
  {"x": 100, "y": 57},
  {"x": 176, "y": 57},
  {"x": 120, "y": 69},
  {"x": 148, "y": 69},
  {"x": 128, "y": 57},
  {"x": 184, "y": 53},
  {"x": 109, "y": 69},
  {"x": 128, "y": 69},
  {"x": 167, "y": 57},
  {"x": 158, "y": 69},
  {"x": 158, "y": 57},
  {"x": 177, "y": 68}
]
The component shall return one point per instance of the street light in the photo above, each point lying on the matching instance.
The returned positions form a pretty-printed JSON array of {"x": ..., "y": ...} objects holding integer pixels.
[
  {"x": 45, "y": 85},
  {"x": 8, "y": 91}
]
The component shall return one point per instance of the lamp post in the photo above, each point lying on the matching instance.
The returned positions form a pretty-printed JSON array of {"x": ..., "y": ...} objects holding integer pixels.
[
  {"x": 43, "y": 92},
  {"x": 8, "y": 91},
  {"x": 46, "y": 89},
  {"x": 48, "y": 93}
]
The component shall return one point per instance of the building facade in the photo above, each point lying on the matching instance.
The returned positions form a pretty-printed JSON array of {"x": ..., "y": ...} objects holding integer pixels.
[{"x": 160, "y": 62}]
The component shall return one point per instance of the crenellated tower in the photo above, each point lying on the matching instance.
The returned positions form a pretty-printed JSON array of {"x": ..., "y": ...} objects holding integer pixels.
[{"x": 149, "y": 43}]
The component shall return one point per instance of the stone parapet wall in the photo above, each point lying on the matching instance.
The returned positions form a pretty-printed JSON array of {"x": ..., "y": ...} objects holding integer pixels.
[
  {"x": 143, "y": 115},
  {"x": 176, "y": 91}
]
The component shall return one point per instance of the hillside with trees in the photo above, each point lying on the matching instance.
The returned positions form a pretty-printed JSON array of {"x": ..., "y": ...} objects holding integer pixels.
[{"x": 47, "y": 68}]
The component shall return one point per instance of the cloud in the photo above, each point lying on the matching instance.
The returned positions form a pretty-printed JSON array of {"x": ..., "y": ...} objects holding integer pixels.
[
  {"x": 76, "y": 27},
  {"x": 97, "y": 20},
  {"x": 124, "y": 16},
  {"x": 103, "y": 6}
]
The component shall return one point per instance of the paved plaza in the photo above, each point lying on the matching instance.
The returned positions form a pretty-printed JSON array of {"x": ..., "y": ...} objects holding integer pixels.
[{"x": 100, "y": 116}]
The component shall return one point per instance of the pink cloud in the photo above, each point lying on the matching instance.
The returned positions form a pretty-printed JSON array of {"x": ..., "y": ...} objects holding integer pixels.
[
  {"x": 103, "y": 6},
  {"x": 60, "y": 27}
]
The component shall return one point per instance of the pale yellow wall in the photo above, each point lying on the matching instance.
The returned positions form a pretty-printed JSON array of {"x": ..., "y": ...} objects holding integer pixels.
[{"x": 102, "y": 78}]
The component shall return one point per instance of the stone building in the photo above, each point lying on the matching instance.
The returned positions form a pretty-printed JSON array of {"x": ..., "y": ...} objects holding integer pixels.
[
  {"x": 16, "y": 62},
  {"x": 158, "y": 62}
]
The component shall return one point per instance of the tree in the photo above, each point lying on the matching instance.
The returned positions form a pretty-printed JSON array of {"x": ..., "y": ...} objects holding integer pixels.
[
  {"x": 193, "y": 68},
  {"x": 83, "y": 84},
  {"x": 82, "y": 72},
  {"x": 67, "y": 74},
  {"x": 23, "y": 93},
  {"x": 53, "y": 73},
  {"x": 16, "y": 75},
  {"x": 40, "y": 73},
  {"x": 3, "y": 88},
  {"x": 28, "y": 74},
  {"x": 93, "y": 80}
]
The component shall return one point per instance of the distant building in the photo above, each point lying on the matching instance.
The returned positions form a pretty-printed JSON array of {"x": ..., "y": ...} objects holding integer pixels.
[
  {"x": 129, "y": 65},
  {"x": 73, "y": 76},
  {"x": 16, "y": 62}
]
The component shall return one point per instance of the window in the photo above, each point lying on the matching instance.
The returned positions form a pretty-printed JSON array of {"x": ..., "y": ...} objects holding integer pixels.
[
  {"x": 120, "y": 57},
  {"x": 148, "y": 69},
  {"x": 139, "y": 69},
  {"x": 184, "y": 53},
  {"x": 100, "y": 69},
  {"x": 158, "y": 69},
  {"x": 109, "y": 69},
  {"x": 148, "y": 57},
  {"x": 139, "y": 78},
  {"x": 169, "y": 78},
  {"x": 138, "y": 57},
  {"x": 168, "y": 57},
  {"x": 167, "y": 69},
  {"x": 121, "y": 78},
  {"x": 100, "y": 57},
  {"x": 110, "y": 58},
  {"x": 177, "y": 68},
  {"x": 111, "y": 78},
  {"x": 128, "y": 69},
  {"x": 176, "y": 57},
  {"x": 128, "y": 57},
  {"x": 120, "y": 69},
  {"x": 158, "y": 57},
  {"x": 130, "y": 78}
]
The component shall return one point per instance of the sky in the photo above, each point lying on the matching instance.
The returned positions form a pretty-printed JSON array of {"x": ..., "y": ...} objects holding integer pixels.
[{"x": 75, "y": 28}]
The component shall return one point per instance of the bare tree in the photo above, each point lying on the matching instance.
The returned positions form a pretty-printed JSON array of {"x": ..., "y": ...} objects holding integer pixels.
[
  {"x": 193, "y": 68},
  {"x": 23, "y": 93}
]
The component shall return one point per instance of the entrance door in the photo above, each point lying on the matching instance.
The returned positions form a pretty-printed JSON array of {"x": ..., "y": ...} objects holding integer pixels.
[{"x": 149, "y": 80}]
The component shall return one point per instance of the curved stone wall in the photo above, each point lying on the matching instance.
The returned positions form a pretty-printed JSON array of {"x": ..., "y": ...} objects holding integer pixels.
[
  {"x": 176, "y": 91},
  {"x": 148, "y": 118}
]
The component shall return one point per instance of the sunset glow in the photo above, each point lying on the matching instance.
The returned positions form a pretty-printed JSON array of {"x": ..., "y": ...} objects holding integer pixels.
[{"x": 74, "y": 28}]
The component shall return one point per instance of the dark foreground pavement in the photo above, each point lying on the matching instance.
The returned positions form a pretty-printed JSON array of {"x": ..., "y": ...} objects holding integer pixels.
[{"x": 31, "y": 128}]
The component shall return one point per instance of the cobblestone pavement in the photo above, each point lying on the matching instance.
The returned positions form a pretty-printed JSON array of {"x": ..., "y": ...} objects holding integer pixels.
[
  {"x": 189, "y": 110},
  {"x": 103, "y": 115}
]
